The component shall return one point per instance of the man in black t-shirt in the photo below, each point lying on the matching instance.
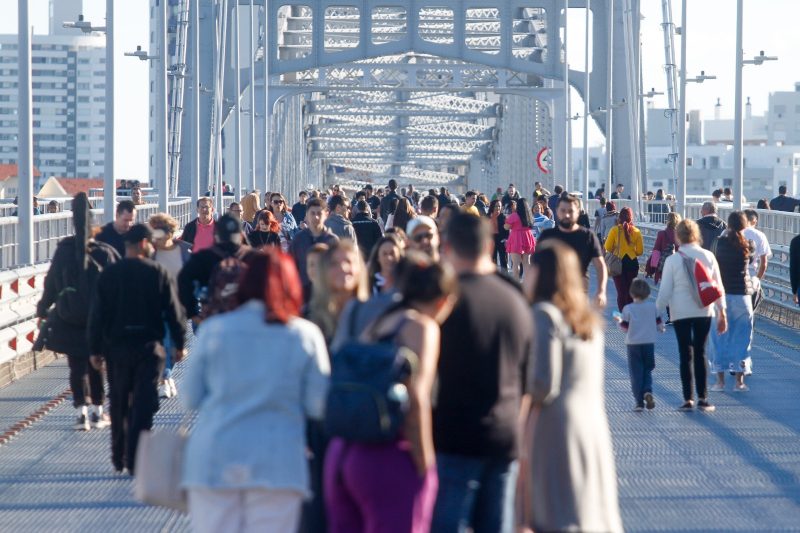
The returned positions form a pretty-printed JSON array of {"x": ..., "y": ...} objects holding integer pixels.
[
  {"x": 373, "y": 201},
  {"x": 485, "y": 345},
  {"x": 582, "y": 240}
]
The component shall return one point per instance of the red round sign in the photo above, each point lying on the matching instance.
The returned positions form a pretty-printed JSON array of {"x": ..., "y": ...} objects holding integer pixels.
[{"x": 543, "y": 159}]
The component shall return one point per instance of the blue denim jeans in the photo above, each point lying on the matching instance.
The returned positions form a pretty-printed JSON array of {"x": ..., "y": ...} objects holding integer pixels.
[
  {"x": 169, "y": 346},
  {"x": 474, "y": 492},
  {"x": 641, "y": 362},
  {"x": 731, "y": 350}
]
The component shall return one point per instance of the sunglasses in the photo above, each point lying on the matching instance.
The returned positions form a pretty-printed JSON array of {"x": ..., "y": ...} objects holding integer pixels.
[
  {"x": 422, "y": 236},
  {"x": 277, "y": 202}
]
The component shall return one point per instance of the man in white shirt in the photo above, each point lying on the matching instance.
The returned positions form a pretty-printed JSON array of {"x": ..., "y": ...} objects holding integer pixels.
[{"x": 763, "y": 250}]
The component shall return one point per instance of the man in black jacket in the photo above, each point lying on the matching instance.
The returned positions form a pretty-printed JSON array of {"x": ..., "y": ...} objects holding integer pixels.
[
  {"x": 113, "y": 232},
  {"x": 195, "y": 276},
  {"x": 386, "y": 202},
  {"x": 711, "y": 226},
  {"x": 134, "y": 303},
  {"x": 368, "y": 231},
  {"x": 782, "y": 202}
]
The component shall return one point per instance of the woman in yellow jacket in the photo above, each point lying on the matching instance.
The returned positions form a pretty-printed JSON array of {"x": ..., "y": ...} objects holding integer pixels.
[{"x": 625, "y": 241}]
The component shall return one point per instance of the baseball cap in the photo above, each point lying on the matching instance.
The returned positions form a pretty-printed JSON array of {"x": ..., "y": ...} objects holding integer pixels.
[
  {"x": 227, "y": 229},
  {"x": 421, "y": 220}
]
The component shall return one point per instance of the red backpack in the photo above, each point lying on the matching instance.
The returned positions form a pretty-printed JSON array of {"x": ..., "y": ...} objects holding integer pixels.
[{"x": 707, "y": 291}]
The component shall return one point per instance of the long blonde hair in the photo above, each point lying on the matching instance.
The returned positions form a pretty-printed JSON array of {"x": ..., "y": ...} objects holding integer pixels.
[
  {"x": 324, "y": 307},
  {"x": 559, "y": 281},
  {"x": 250, "y": 206}
]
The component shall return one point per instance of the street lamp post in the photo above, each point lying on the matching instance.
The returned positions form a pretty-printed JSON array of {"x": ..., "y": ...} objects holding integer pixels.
[
  {"x": 25, "y": 255},
  {"x": 109, "y": 185},
  {"x": 738, "y": 121},
  {"x": 681, "y": 192}
]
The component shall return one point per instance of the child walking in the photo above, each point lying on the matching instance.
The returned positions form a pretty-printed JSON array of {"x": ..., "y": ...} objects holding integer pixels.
[{"x": 641, "y": 321}]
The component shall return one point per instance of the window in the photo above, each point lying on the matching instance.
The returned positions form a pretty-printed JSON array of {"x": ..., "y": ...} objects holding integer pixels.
[
  {"x": 779, "y": 109},
  {"x": 594, "y": 163},
  {"x": 713, "y": 161}
]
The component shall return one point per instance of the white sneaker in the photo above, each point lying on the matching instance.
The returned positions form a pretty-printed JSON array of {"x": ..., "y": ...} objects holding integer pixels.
[
  {"x": 100, "y": 421},
  {"x": 82, "y": 423},
  {"x": 716, "y": 387},
  {"x": 164, "y": 390},
  {"x": 173, "y": 387}
]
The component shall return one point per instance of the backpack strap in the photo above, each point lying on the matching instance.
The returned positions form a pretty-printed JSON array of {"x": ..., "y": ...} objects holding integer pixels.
[{"x": 351, "y": 329}]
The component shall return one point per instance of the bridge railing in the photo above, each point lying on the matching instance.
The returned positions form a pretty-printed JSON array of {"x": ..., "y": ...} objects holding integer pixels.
[
  {"x": 780, "y": 227},
  {"x": 778, "y": 299},
  {"x": 50, "y": 228}
]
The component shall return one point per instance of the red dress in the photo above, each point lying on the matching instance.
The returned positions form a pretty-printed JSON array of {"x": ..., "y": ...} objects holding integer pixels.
[{"x": 520, "y": 239}]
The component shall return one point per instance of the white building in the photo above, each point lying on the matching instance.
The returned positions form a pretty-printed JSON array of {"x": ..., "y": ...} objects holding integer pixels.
[
  {"x": 68, "y": 78},
  {"x": 783, "y": 117}
]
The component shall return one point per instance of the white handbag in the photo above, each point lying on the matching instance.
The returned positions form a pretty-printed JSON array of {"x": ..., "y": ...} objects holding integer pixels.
[{"x": 159, "y": 468}]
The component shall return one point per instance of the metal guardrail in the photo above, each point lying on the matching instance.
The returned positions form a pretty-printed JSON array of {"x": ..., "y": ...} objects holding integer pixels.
[
  {"x": 51, "y": 228},
  {"x": 21, "y": 287},
  {"x": 778, "y": 298},
  {"x": 780, "y": 227}
]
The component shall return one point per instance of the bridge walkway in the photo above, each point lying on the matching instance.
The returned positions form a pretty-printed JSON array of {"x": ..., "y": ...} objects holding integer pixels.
[{"x": 737, "y": 469}]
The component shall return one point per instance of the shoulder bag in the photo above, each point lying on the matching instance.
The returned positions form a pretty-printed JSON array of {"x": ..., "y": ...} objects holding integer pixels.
[
  {"x": 159, "y": 468},
  {"x": 613, "y": 260}
]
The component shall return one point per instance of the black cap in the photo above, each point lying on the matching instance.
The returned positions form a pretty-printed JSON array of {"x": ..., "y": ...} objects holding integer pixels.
[
  {"x": 227, "y": 229},
  {"x": 137, "y": 233}
]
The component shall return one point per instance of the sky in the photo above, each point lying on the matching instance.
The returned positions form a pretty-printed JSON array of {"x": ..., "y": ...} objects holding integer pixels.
[{"x": 769, "y": 25}]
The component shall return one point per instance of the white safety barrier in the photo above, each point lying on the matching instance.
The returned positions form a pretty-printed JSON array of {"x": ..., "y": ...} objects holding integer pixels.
[{"x": 20, "y": 291}]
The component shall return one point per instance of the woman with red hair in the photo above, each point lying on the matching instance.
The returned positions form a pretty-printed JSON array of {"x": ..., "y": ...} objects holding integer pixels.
[
  {"x": 625, "y": 241},
  {"x": 266, "y": 231},
  {"x": 255, "y": 375}
]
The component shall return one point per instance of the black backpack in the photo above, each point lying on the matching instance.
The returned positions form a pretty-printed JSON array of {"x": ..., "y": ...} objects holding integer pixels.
[
  {"x": 72, "y": 303},
  {"x": 368, "y": 400}
]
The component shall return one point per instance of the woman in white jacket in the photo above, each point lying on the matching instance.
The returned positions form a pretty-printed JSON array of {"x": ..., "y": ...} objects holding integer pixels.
[{"x": 692, "y": 322}]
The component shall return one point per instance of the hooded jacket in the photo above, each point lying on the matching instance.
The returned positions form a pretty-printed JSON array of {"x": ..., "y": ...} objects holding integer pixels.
[
  {"x": 341, "y": 227},
  {"x": 711, "y": 227}
]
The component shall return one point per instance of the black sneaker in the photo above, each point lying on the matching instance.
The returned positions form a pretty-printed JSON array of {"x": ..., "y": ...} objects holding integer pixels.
[
  {"x": 703, "y": 405},
  {"x": 649, "y": 401},
  {"x": 688, "y": 405}
]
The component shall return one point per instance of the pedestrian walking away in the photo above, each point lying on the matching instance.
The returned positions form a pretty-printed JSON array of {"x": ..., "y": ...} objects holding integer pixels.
[
  {"x": 570, "y": 473},
  {"x": 255, "y": 374},
  {"x": 63, "y": 312},
  {"x": 641, "y": 322},
  {"x": 484, "y": 351},
  {"x": 133, "y": 300},
  {"x": 731, "y": 350},
  {"x": 625, "y": 242},
  {"x": 691, "y": 319}
]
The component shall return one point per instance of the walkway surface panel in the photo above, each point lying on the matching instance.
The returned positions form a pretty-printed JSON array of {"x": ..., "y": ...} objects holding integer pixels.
[{"x": 737, "y": 469}]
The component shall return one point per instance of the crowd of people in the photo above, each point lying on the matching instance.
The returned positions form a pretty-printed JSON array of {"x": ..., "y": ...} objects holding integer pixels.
[{"x": 390, "y": 360}]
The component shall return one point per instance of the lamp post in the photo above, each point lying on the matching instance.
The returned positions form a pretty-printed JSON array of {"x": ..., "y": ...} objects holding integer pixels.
[
  {"x": 109, "y": 185},
  {"x": 609, "y": 94},
  {"x": 161, "y": 119},
  {"x": 738, "y": 121},
  {"x": 25, "y": 255},
  {"x": 585, "y": 184},
  {"x": 680, "y": 199}
]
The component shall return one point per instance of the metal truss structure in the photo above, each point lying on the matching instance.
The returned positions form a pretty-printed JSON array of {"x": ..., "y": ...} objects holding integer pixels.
[{"x": 457, "y": 92}]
